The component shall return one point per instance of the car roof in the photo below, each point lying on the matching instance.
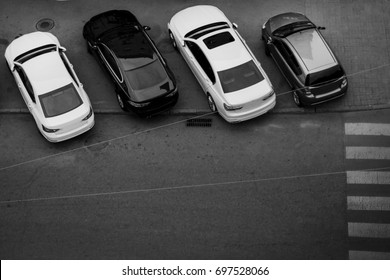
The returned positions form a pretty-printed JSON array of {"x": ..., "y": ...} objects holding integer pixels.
[
  {"x": 228, "y": 55},
  {"x": 286, "y": 19},
  {"x": 46, "y": 72},
  {"x": 194, "y": 17},
  {"x": 312, "y": 49}
]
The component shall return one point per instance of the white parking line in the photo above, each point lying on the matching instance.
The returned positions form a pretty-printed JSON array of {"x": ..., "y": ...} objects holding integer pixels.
[
  {"x": 368, "y": 255},
  {"x": 369, "y": 230},
  {"x": 368, "y": 177},
  {"x": 367, "y": 129},
  {"x": 367, "y": 152},
  {"x": 368, "y": 203}
]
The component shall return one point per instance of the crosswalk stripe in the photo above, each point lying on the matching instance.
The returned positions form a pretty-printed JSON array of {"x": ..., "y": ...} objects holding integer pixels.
[
  {"x": 367, "y": 129},
  {"x": 368, "y": 177},
  {"x": 368, "y": 255},
  {"x": 367, "y": 152},
  {"x": 369, "y": 230},
  {"x": 368, "y": 210},
  {"x": 368, "y": 203}
]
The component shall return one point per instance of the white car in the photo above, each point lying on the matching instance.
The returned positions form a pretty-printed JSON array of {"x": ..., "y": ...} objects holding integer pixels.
[
  {"x": 235, "y": 84},
  {"x": 49, "y": 86}
]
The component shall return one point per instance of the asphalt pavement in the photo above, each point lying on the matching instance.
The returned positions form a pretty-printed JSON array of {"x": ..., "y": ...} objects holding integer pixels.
[
  {"x": 313, "y": 218},
  {"x": 356, "y": 30}
]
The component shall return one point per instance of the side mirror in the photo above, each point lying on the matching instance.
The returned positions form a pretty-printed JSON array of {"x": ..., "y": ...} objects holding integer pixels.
[
  {"x": 235, "y": 26},
  {"x": 62, "y": 49},
  {"x": 321, "y": 28},
  {"x": 146, "y": 27}
]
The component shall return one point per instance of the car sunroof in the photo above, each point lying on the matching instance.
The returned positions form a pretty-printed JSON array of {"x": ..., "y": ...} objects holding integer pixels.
[{"x": 218, "y": 40}]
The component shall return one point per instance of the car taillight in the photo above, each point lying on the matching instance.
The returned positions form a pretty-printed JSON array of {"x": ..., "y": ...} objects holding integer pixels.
[
  {"x": 49, "y": 130},
  {"x": 138, "y": 105},
  {"x": 344, "y": 82},
  {"x": 269, "y": 95},
  {"x": 307, "y": 91},
  {"x": 231, "y": 107},
  {"x": 89, "y": 114}
]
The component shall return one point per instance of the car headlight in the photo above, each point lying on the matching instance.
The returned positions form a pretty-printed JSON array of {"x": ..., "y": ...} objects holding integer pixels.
[
  {"x": 344, "y": 82},
  {"x": 139, "y": 105},
  {"x": 89, "y": 114},
  {"x": 231, "y": 107},
  {"x": 171, "y": 94},
  {"x": 49, "y": 130}
]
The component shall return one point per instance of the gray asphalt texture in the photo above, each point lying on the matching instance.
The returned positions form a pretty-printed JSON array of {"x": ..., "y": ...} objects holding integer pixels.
[{"x": 356, "y": 30}]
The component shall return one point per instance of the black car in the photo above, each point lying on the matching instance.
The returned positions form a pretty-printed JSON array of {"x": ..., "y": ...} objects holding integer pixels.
[
  {"x": 143, "y": 81},
  {"x": 305, "y": 59}
]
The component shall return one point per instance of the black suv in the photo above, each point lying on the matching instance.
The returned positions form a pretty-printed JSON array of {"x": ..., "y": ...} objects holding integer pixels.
[
  {"x": 143, "y": 81},
  {"x": 305, "y": 59}
]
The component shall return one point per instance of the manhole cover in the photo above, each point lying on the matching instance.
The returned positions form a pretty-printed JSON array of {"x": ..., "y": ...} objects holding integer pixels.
[
  {"x": 199, "y": 122},
  {"x": 45, "y": 24}
]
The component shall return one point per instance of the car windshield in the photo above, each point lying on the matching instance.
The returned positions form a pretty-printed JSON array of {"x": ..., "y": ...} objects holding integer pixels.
[
  {"x": 326, "y": 76},
  {"x": 35, "y": 52},
  {"x": 239, "y": 77},
  {"x": 147, "y": 75},
  {"x": 60, "y": 101},
  {"x": 286, "y": 30}
]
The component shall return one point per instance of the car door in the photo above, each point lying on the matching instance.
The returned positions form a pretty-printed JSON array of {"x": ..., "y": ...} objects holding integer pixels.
[
  {"x": 286, "y": 62},
  {"x": 27, "y": 92},
  {"x": 198, "y": 64},
  {"x": 110, "y": 62}
]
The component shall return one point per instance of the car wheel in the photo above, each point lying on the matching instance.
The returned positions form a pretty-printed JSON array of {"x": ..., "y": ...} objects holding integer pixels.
[
  {"x": 173, "y": 41},
  {"x": 121, "y": 102},
  {"x": 267, "y": 52},
  {"x": 211, "y": 102},
  {"x": 297, "y": 99},
  {"x": 89, "y": 49}
]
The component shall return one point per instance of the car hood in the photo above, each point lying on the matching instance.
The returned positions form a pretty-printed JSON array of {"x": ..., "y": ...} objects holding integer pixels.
[
  {"x": 285, "y": 19},
  {"x": 29, "y": 42},
  {"x": 246, "y": 95},
  {"x": 109, "y": 20}
]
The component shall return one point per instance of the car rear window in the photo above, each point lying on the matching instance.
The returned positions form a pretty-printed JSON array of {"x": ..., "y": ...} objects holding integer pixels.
[
  {"x": 60, "y": 101},
  {"x": 240, "y": 77},
  {"x": 325, "y": 76},
  {"x": 203, "y": 30},
  {"x": 35, "y": 52},
  {"x": 218, "y": 40},
  {"x": 146, "y": 76}
]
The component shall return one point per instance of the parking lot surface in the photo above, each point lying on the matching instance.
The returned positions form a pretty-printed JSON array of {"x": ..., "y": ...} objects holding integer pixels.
[{"x": 357, "y": 31}]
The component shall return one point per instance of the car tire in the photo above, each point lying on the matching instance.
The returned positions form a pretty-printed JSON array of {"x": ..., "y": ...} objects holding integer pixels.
[
  {"x": 89, "y": 49},
  {"x": 172, "y": 38},
  {"x": 296, "y": 98},
  {"x": 120, "y": 101},
  {"x": 211, "y": 103},
  {"x": 267, "y": 52}
]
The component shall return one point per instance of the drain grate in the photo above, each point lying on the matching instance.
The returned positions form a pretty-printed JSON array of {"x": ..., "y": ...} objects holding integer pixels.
[
  {"x": 199, "y": 122},
  {"x": 45, "y": 24}
]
